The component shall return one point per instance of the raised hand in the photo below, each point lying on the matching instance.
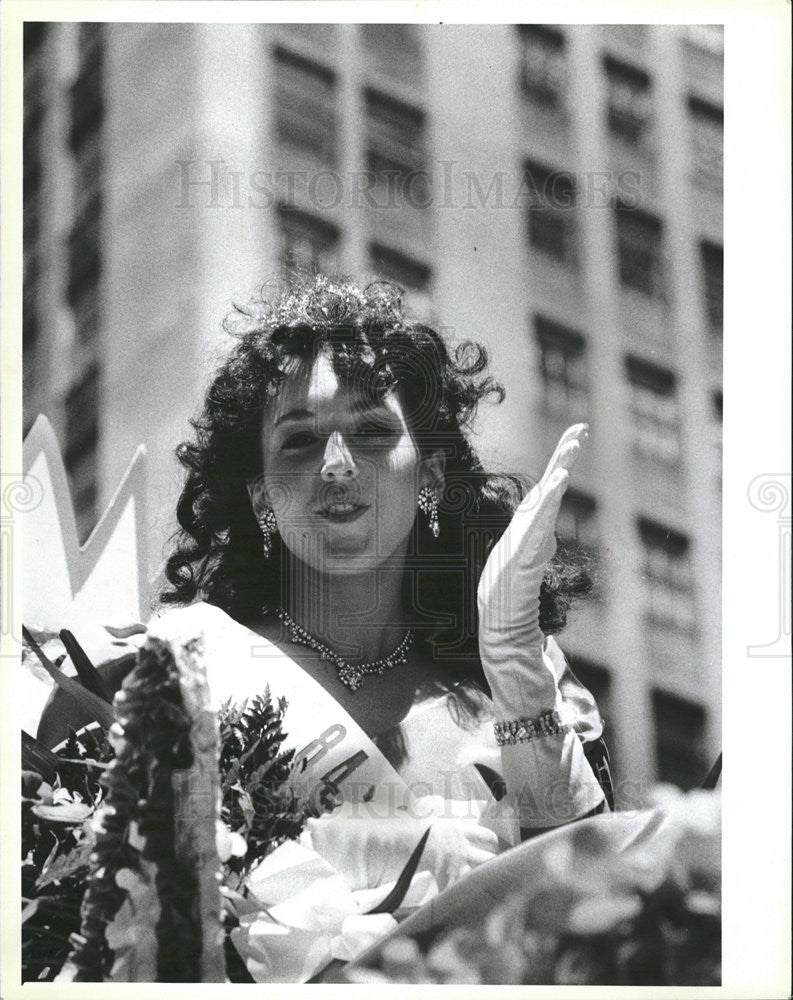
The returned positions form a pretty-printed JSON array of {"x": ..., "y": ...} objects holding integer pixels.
[
  {"x": 508, "y": 592},
  {"x": 545, "y": 770}
]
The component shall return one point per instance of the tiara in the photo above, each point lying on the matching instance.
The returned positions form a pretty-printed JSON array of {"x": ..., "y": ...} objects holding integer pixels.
[{"x": 325, "y": 303}]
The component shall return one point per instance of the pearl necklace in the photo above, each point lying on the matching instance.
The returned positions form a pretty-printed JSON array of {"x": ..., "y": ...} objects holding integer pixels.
[{"x": 350, "y": 674}]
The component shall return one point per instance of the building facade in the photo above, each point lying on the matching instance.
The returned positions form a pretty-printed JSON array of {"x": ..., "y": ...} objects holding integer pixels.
[{"x": 554, "y": 191}]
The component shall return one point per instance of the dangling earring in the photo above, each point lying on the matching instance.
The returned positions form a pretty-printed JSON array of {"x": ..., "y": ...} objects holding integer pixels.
[
  {"x": 428, "y": 504},
  {"x": 263, "y": 512},
  {"x": 269, "y": 527}
]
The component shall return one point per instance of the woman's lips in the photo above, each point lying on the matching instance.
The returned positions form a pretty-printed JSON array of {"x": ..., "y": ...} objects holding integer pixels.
[{"x": 341, "y": 512}]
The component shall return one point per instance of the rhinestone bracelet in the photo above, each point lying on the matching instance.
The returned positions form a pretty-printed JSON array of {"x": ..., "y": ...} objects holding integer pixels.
[{"x": 525, "y": 730}]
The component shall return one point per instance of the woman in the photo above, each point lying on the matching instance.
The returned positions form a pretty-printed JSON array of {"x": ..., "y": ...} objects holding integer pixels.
[{"x": 335, "y": 509}]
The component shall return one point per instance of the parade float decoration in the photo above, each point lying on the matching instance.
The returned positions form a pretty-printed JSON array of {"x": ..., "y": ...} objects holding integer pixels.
[
  {"x": 167, "y": 840},
  {"x": 630, "y": 899}
]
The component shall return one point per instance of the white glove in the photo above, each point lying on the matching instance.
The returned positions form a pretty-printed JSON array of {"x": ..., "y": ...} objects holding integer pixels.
[
  {"x": 371, "y": 850},
  {"x": 548, "y": 778}
]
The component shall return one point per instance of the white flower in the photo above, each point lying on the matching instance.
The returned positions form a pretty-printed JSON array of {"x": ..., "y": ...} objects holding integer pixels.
[
  {"x": 229, "y": 844},
  {"x": 62, "y": 796},
  {"x": 45, "y": 794}
]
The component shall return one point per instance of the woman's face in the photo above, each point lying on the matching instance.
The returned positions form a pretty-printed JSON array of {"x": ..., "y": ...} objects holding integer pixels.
[{"x": 342, "y": 475}]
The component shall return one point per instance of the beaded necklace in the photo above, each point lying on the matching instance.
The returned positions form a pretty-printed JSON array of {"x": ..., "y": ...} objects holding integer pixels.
[{"x": 352, "y": 675}]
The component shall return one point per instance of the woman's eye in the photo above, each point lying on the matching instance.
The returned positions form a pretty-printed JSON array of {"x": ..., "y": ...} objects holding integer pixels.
[{"x": 303, "y": 439}]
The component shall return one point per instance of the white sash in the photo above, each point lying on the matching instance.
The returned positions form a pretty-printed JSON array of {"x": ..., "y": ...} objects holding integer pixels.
[{"x": 334, "y": 756}]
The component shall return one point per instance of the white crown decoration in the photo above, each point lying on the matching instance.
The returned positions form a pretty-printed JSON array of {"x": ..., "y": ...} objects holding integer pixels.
[{"x": 64, "y": 584}]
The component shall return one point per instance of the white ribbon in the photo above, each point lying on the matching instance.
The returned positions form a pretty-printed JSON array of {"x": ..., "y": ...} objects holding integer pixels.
[{"x": 309, "y": 915}]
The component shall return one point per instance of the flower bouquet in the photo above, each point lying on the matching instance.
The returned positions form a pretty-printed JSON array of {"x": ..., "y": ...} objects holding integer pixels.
[
  {"x": 160, "y": 847},
  {"x": 132, "y": 830}
]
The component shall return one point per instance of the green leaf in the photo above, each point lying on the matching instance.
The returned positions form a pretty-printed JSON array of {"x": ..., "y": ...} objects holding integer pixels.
[
  {"x": 66, "y": 865},
  {"x": 98, "y": 709},
  {"x": 37, "y": 757}
]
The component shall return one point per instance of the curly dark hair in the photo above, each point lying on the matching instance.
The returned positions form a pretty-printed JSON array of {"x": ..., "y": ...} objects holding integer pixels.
[{"x": 376, "y": 345}]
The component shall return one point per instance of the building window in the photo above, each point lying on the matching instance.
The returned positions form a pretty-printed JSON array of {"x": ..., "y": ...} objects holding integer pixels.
[
  {"x": 322, "y": 37},
  {"x": 543, "y": 74},
  {"x": 563, "y": 368},
  {"x": 411, "y": 275},
  {"x": 307, "y": 241},
  {"x": 707, "y": 123},
  {"x": 629, "y": 105},
  {"x": 34, "y": 34},
  {"x": 85, "y": 257},
  {"x": 396, "y": 267},
  {"x": 713, "y": 281},
  {"x": 87, "y": 104},
  {"x": 89, "y": 41},
  {"x": 576, "y": 523},
  {"x": 85, "y": 269},
  {"x": 654, "y": 410},
  {"x": 397, "y": 49},
  {"x": 30, "y": 316},
  {"x": 667, "y": 575},
  {"x": 305, "y": 105},
  {"x": 85, "y": 306},
  {"x": 395, "y": 147},
  {"x": 679, "y": 740},
  {"x": 639, "y": 251},
  {"x": 88, "y": 174},
  {"x": 551, "y": 217},
  {"x": 80, "y": 455}
]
